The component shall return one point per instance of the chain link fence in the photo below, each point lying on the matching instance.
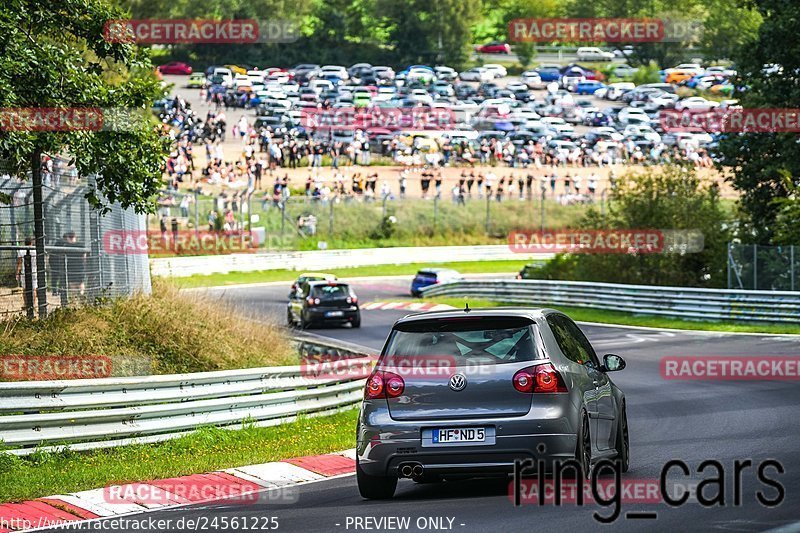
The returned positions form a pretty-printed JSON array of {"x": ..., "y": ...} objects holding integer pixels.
[
  {"x": 76, "y": 267},
  {"x": 768, "y": 268},
  {"x": 300, "y": 222}
]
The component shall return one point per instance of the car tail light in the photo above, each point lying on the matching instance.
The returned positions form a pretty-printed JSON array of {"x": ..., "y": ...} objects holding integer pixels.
[
  {"x": 542, "y": 379},
  {"x": 352, "y": 299},
  {"x": 382, "y": 384},
  {"x": 312, "y": 301}
]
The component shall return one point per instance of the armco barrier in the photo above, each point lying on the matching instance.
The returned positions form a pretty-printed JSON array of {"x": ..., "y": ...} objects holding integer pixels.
[
  {"x": 325, "y": 259},
  {"x": 101, "y": 413},
  {"x": 676, "y": 302}
]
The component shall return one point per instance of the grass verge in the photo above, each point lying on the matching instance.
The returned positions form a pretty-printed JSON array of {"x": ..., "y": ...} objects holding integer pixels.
[
  {"x": 262, "y": 276},
  {"x": 615, "y": 317},
  {"x": 208, "y": 449},
  {"x": 170, "y": 331}
]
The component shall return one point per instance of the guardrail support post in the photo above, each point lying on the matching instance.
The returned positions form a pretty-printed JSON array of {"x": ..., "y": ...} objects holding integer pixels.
[{"x": 27, "y": 294}]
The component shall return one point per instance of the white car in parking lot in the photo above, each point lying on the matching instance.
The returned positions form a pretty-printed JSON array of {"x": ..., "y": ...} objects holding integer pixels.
[
  {"x": 499, "y": 71},
  {"x": 532, "y": 79},
  {"x": 616, "y": 90},
  {"x": 695, "y": 103},
  {"x": 478, "y": 74},
  {"x": 334, "y": 70},
  {"x": 592, "y": 53},
  {"x": 627, "y": 113}
]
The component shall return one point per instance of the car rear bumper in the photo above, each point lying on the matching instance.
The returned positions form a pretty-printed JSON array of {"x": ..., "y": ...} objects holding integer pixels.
[
  {"x": 545, "y": 434},
  {"x": 322, "y": 315}
]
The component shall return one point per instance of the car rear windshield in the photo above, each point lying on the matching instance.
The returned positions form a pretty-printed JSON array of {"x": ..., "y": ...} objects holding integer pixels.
[
  {"x": 509, "y": 340},
  {"x": 331, "y": 292},
  {"x": 426, "y": 275}
]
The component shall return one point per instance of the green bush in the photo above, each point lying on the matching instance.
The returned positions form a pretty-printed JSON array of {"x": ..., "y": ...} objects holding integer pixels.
[{"x": 668, "y": 198}]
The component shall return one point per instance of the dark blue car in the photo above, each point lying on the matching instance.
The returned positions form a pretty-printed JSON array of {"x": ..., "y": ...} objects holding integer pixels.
[{"x": 431, "y": 276}]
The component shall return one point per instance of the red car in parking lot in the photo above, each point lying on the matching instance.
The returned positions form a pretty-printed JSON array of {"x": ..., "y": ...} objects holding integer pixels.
[
  {"x": 175, "y": 67},
  {"x": 494, "y": 47}
]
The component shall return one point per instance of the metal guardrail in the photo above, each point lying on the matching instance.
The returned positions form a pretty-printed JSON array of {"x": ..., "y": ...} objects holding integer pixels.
[
  {"x": 326, "y": 259},
  {"x": 101, "y": 413},
  {"x": 676, "y": 302}
]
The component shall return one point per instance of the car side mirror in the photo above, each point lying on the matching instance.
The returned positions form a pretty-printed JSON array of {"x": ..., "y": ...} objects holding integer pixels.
[{"x": 612, "y": 363}]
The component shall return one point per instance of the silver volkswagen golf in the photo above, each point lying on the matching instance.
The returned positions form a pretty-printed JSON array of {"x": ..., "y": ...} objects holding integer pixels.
[{"x": 468, "y": 393}]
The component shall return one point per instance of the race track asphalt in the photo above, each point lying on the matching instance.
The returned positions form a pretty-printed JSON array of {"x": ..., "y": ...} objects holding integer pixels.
[{"x": 691, "y": 421}]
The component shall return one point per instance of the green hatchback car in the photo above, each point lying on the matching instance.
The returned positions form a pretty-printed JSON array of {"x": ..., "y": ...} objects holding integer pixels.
[{"x": 196, "y": 81}]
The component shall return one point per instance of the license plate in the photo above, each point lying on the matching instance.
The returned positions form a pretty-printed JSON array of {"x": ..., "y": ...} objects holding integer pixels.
[
  {"x": 458, "y": 435},
  {"x": 334, "y": 313}
]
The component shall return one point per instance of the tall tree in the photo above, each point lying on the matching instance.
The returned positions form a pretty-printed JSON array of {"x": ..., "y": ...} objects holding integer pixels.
[
  {"x": 430, "y": 32},
  {"x": 765, "y": 167},
  {"x": 53, "y": 55}
]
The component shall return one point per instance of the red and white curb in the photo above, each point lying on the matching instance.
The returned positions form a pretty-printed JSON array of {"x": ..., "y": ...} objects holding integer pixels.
[
  {"x": 409, "y": 306},
  {"x": 242, "y": 484}
]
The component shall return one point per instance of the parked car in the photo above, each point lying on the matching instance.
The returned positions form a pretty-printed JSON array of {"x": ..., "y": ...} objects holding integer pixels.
[
  {"x": 432, "y": 276},
  {"x": 494, "y": 47},
  {"x": 196, "y": 80},
  {"x": 478, "y": 74},
  {"x": 175, "y": 67},
  {"x": 588, "y": 87},
  {"x": 592, "y": 53},
  {"x": 499, "y": 71},
  {"x": 504, "y": 385},
  {"x": 532, "y": 79},
  {"x": 323, "y": 302}
]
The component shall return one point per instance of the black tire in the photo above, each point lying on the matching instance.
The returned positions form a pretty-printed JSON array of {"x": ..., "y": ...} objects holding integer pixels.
[
  {"x": 623, "y": 441},
  {"x": 290, "y": 320},
  {"x": 375, "y": 487},
  {"x": 303, "y": 323},
  {"x": 357, "y": 322},
  {"x": 583, "y": 448}
]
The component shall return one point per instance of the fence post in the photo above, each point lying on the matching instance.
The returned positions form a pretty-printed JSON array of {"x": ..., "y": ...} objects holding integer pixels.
[
  {"x": 728, "y": 262},
  {"x": 330, "y": 219},
  {"x": 435, "y": 212},
  {"x": 488, "y": 208},
  {"x": 791, "y": 263},
  {"x": 196, "y": 213},
  {"x": 755, "y": 267},
  {"x": 27, "y": 294},
  {"x": 542, "y": 209},
  {"x": 38, "y": 229}
]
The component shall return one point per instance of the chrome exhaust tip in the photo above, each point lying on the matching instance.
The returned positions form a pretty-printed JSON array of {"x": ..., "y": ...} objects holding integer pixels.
[
  {"x": 406, "y": 470},
  {"x": 417, "y": 470}
]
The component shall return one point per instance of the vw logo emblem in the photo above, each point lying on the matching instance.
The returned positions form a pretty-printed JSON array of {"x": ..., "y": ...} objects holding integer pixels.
[{"x": 458, "y": 382}]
